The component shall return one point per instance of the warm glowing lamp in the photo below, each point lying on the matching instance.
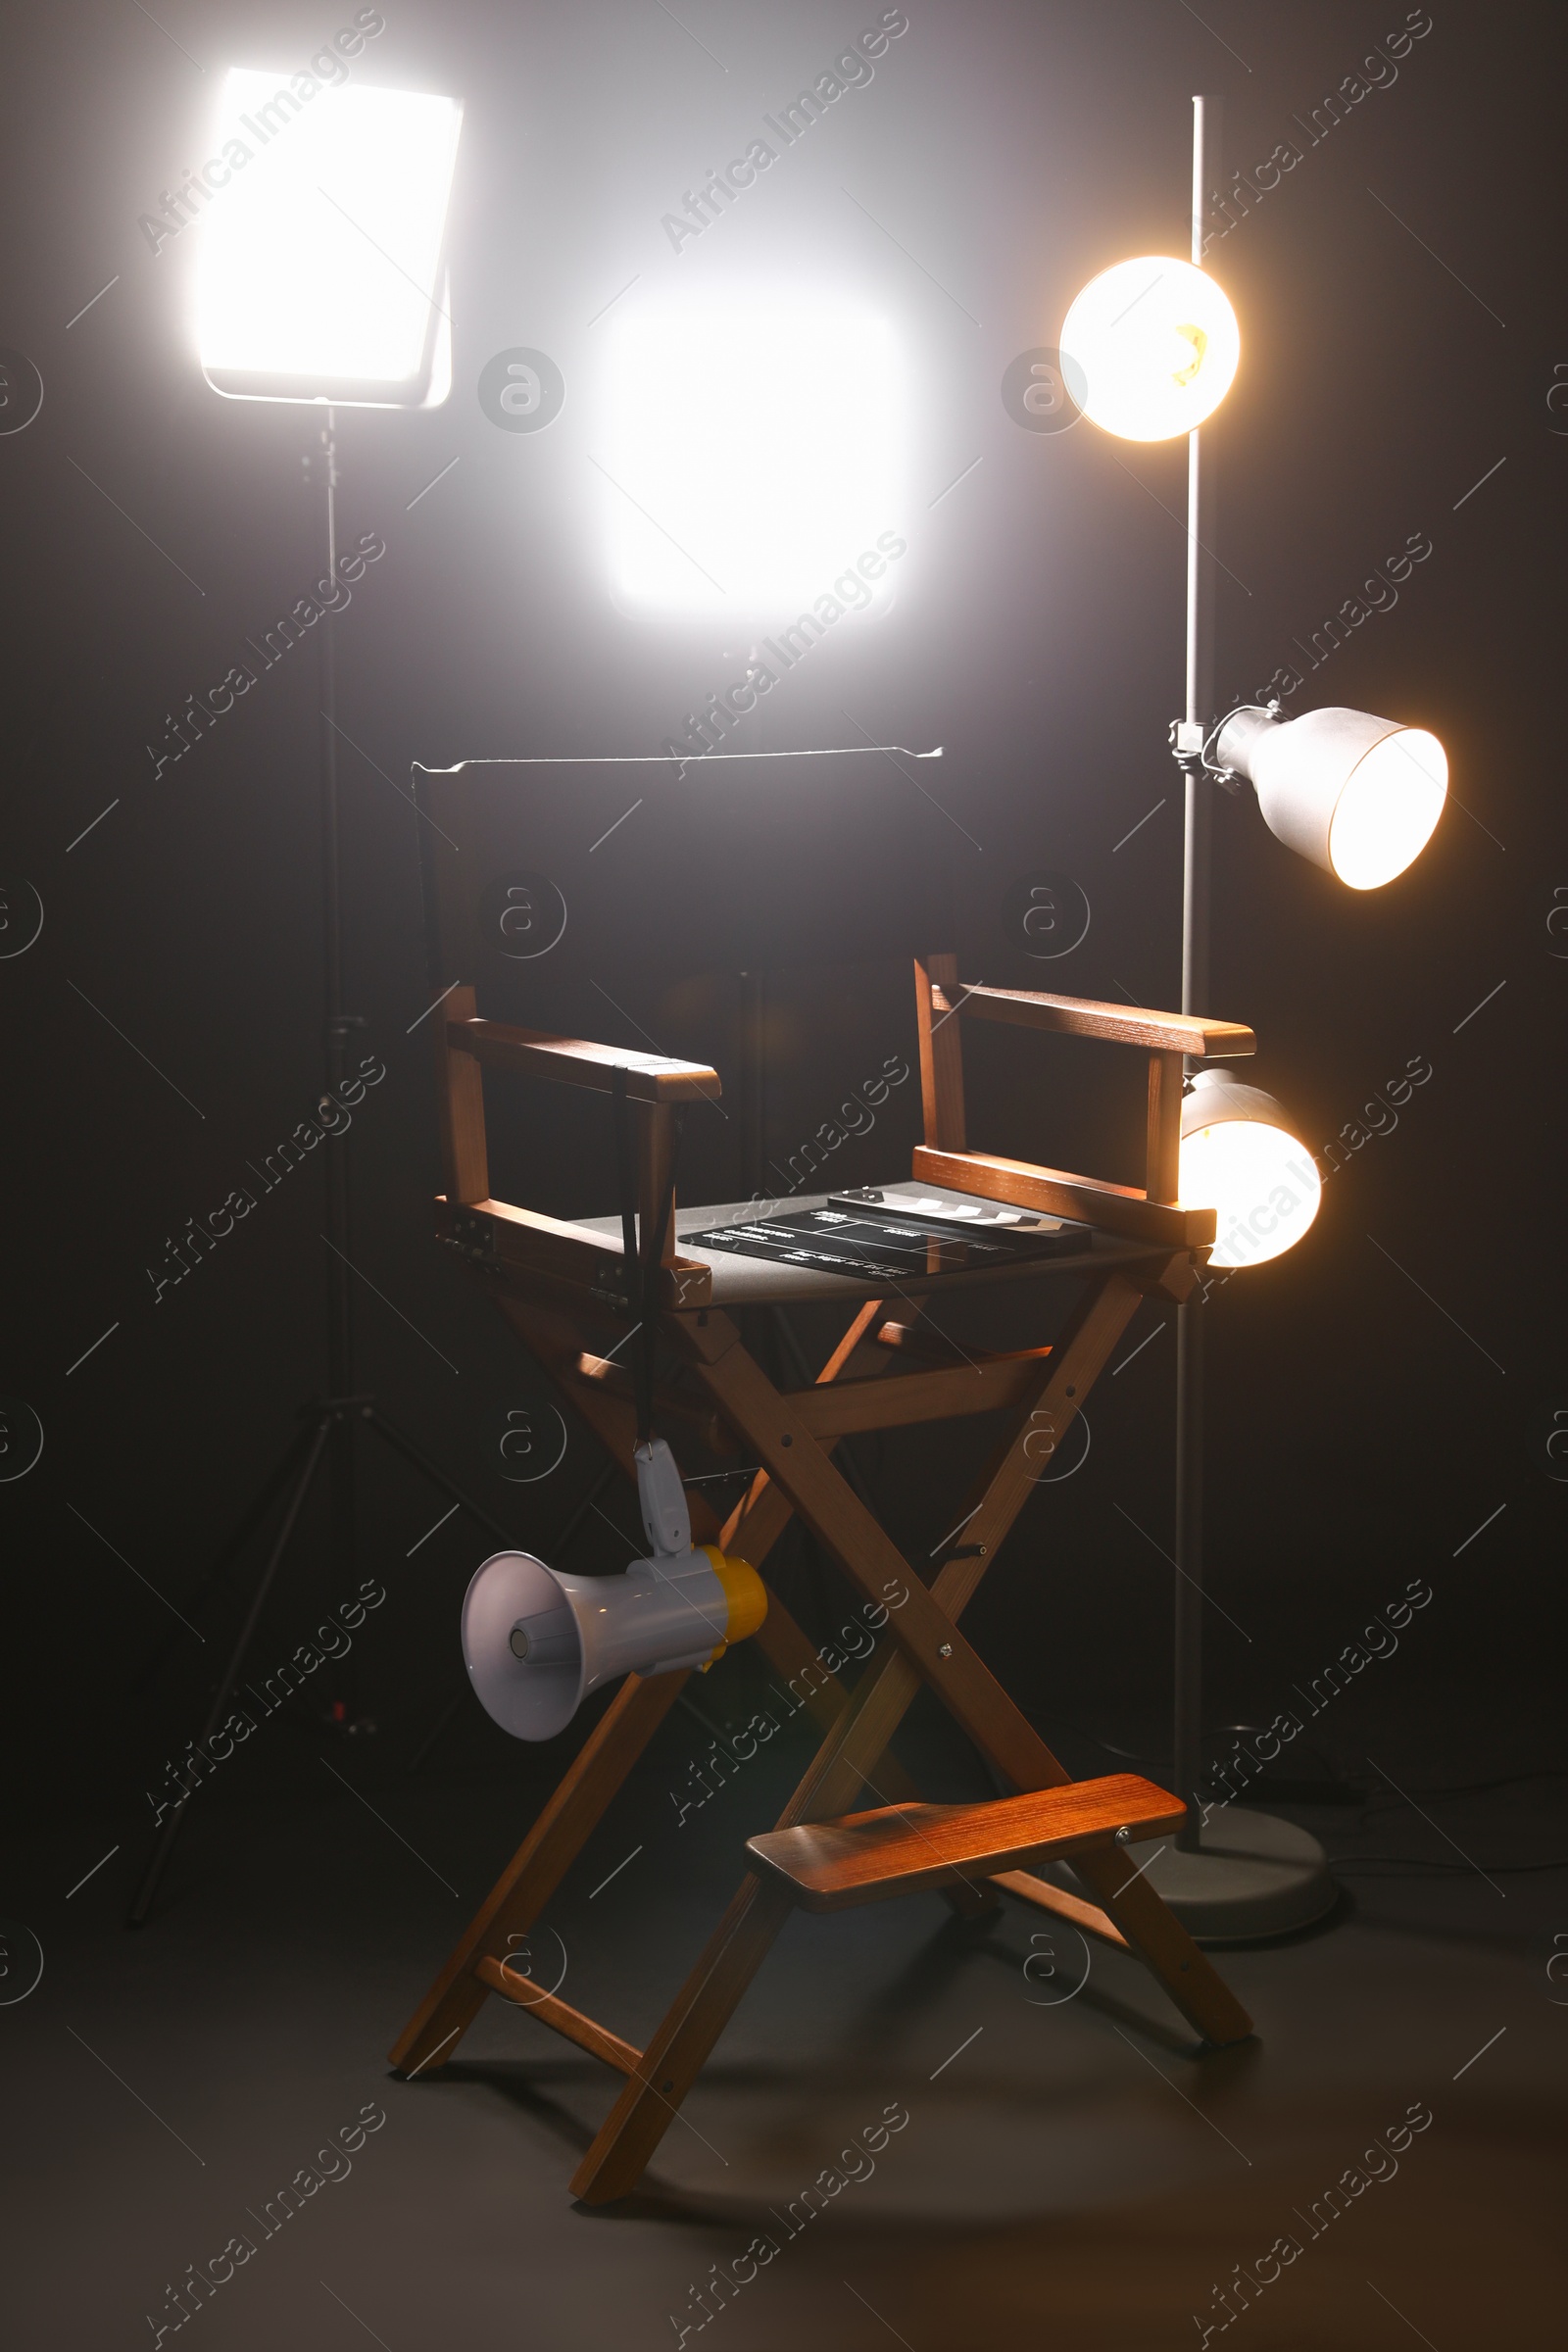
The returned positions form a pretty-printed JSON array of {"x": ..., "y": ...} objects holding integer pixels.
[
  {"x": 1241, "y": 1159},
  {"x": 1150, "y": 348},
  {"x": 1357, "y": 795}
]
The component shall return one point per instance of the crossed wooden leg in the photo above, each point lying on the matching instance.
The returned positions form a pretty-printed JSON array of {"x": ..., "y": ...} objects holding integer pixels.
[{"x": 850, "y": 1757}]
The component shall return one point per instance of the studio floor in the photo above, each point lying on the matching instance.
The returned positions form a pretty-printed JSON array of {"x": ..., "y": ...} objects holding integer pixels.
[{"x": 1068, "y": 2170}]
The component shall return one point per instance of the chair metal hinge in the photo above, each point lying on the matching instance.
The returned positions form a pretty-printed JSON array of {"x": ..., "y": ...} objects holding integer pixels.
[{"x": 472, "y": 1239}]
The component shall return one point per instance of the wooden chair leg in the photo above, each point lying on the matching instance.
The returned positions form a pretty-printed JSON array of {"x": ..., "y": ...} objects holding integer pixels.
[
  {"x": 738, "y": 1946},
  {"x": 786, "y": 1646},
  {"x": 851, "y": 1758},
  {"x": 970, "y": 1694},
  {"x": 679, "y": 2050},
  {"x": 596, "y": 1776},
  {"x": 850, "y": 1755},
  {"x": 752, "y": 1529},
  {"x": 537, "y": 1868}
]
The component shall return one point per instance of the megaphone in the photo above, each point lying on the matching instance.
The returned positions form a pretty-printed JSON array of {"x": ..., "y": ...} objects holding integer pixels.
[{"x": 537, "y": 1639}]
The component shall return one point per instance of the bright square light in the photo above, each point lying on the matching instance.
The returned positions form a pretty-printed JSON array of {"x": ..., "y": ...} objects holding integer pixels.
[
  {"x": 321, "y": 253},
  {"x": 752, "y": 448}
]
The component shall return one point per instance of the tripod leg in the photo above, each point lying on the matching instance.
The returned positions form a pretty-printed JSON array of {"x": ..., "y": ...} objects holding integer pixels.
[
  {"x": 436, "y": 1729},
  {"x": 255, "y": 1511},
  {"x": 438, "y": 1478},
  {"x": 170, "y": 1830},
  {"x": 340, "y": 1483}
]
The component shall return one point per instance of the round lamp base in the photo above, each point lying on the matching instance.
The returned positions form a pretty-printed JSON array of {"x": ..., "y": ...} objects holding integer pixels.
[{"x": 1254, "y": 1875}]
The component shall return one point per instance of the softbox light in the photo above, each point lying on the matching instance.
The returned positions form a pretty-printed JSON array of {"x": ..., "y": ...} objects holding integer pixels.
[{"x": 320, "y": 271}]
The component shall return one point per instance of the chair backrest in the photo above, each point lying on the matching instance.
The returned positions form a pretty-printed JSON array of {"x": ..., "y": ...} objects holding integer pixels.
[
  {"x": 626, "y": 903},
  {"x": 586, "y": 900},
  {"x": 544, "y": 878}
]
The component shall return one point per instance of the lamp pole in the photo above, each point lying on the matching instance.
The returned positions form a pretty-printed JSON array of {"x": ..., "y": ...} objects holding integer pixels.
[
  {"x": 1196, "y": 812},
  {"x": 1264, "y": 1876}
]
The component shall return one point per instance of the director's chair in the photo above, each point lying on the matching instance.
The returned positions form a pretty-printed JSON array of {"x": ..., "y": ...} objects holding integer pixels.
[{"x": 507, "y": 881}]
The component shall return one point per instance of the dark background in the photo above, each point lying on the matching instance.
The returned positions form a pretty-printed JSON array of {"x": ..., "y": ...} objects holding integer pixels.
[{"x": 1364, "y": 1420}]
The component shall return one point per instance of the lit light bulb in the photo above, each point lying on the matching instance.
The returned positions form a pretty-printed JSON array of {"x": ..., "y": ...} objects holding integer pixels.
[
  {"x": 1150, "y": 348},
  {"x": 1239, "y": 1158},
  {"x": 1389, "y": 809}
]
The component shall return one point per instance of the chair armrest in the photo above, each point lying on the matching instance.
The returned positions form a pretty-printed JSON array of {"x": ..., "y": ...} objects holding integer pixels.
[
  {"x": 576, "y": 1062},
  {"x": 1118, "y": 1024},
  {"x": 1112, "y": 1207}
]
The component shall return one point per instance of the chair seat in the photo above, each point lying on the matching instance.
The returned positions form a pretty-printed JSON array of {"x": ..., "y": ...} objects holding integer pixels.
[
  {"x": 759, "y": 1281},
  {"x": 864, "y": 1857}
]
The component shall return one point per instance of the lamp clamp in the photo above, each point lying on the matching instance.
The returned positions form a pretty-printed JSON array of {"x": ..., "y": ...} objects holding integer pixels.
[
  {"x": 1188, "y": 747},
  {"x": 1186, "y": 739},
  {"x": 1191, "y": 747}
]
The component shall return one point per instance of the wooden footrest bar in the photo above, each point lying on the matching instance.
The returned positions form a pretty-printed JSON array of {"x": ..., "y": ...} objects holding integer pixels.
[
  {"x": 595, "y": 2040},
  {"x": 864, "y": 1857}
]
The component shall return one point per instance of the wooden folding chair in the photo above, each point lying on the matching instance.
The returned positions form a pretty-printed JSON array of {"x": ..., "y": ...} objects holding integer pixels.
[{"x": 566, "y": 1291}]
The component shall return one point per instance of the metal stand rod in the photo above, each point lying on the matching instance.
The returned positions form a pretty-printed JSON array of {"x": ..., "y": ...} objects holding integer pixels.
[
  {"x": 337, "y": 1026},
  {"x": 1189, "y": 1678},
  {"x": 330, "y": 1425},
  {"x": 1187, "y": 1728}
]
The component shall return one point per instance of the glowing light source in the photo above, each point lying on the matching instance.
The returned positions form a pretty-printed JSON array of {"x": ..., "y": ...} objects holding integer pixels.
[
  {"x": 1359, "y": 795},
  {"x": 753, "y": 449},
  {"x": 319, "y": 275},
  {"x": 1150, "y": 348},
  {"x": 1240, "y": 1159}
]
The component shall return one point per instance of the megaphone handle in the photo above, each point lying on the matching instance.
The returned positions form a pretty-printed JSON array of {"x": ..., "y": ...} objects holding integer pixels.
[{"x": 663, "y": 1500}]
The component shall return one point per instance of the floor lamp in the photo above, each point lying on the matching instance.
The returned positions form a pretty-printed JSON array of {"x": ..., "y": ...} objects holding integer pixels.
[
  {"x": 1149, "y": 350},
  {"x": 321, "y": 281}
]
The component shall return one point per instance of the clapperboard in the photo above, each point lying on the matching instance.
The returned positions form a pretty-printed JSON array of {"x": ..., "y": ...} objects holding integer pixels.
[{"x": 898, "y": 1233}]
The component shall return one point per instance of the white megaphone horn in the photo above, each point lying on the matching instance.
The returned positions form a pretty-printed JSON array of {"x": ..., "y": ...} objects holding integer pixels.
[{"x": 537, "y": 1640}]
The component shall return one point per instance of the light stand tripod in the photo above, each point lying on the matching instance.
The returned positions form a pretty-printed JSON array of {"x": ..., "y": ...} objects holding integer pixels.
[{"x": 329, "y": 1424}]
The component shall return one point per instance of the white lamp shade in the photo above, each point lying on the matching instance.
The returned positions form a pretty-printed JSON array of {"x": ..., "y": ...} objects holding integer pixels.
[
  {"x": 1150, "y": 348},
  {"x": 1357, "y": 795},
  {"x": 1240, "y": 1159}
]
